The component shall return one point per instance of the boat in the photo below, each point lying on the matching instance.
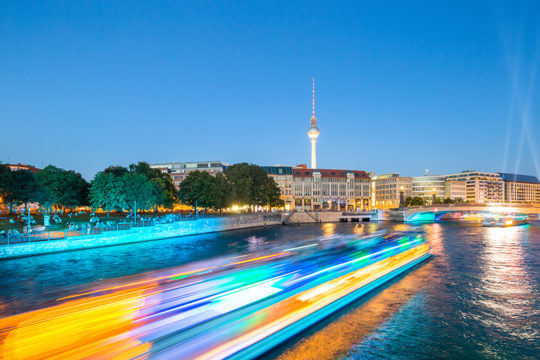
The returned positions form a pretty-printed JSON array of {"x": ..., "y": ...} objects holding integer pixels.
[
  {"x": 499, "y": 220},
  {"x": 235, "y": 307}
]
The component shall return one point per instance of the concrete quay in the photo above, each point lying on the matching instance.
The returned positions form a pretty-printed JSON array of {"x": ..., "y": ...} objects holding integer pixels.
[{"x": 160, "y": 231}]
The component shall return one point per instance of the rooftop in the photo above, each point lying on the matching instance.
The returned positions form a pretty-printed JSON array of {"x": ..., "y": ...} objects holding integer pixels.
[{"x": 519, "y": 177}]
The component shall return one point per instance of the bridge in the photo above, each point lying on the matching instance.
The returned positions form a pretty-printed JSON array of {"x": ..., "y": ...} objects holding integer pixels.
[{"x": 454, "y": 211}]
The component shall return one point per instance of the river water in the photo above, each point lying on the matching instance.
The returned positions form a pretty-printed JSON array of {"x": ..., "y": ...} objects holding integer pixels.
[{"x": 477, "y": 298}]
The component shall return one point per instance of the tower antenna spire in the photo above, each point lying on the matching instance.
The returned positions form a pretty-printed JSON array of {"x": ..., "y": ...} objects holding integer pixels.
[{"x": 313, "y": 113}]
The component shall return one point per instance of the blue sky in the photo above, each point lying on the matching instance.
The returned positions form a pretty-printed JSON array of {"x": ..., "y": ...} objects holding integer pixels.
[{"x": 400, "y": 86}]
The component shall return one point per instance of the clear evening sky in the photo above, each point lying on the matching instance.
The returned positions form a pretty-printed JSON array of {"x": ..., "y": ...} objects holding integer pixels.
[{"x": 400, "y": 86}]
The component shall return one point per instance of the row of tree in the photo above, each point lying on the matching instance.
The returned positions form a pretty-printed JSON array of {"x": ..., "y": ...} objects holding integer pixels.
[
  {"x": 115, "y": 188},
  {"x": 50, "y": 187},
  {"x": 133, "y": 188},
  {"x": 241, "y": 184},
  {"x": 419, "y": 201},
  {"x": 138, "y": 187}
]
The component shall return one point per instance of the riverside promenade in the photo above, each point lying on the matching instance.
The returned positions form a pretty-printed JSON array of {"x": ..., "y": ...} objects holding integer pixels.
[{"x": 139, "y": 234}]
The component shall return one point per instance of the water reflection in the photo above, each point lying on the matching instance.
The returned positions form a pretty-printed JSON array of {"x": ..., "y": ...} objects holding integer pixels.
[
  {"x": 506, "y": 292},
  {"x": 329, "y": 229},
  {"x": 479, "y": 296}
]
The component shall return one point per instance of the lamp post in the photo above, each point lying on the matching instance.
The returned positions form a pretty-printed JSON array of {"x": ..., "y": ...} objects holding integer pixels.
[
  {"x": 401, "y": 198},
  {"x": 434, "y": 197}
]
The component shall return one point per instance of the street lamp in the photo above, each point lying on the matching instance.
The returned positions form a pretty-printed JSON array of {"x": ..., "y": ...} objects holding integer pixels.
[
  {"x": 434, "y": 197},
  {"x": 401, "y": 197}
]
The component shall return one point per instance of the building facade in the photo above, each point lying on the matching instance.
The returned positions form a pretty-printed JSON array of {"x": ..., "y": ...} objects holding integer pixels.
[
  {"x": 386, "y": 190},
  {"x": 19, "y": 166},
  {"x": 283, "y": 177},
  {"x": 481, "y": 187},
  {"x": 179, "y": 170},
  {"x": 426, "y": 186},
  {"x": 521, "y": 188},
  {"x": 330, "y": 189},
  {"x": 455, "y": 190}
]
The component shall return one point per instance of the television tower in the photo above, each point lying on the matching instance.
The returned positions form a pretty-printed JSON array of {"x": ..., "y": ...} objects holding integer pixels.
[{"x": 313, "y": 132}]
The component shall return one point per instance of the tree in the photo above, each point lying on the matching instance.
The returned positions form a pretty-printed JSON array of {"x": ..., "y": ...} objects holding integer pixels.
[
  {"x": 252, "y": 185},
  {"x": 199, "y": 188},
  {"x": 272, "y": 194},
  {"x": 6, "y": 186},
  {"x": 107, "y": 192},
  {"x": 223, "y": 192},
  {"x": 164, "y": 189},
  {"x": 239, "y": 176},
  {"x": 24, "y": 188},
  {"x": 138, "y": 192},
  {"x": 63, "y": 188},
  {"x": 116, "y": 170},
  {"x": 414, "y": 201}
]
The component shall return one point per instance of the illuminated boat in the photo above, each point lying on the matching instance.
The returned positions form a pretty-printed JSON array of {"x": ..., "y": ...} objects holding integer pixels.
[
  {"x": 505, "y": 220},
  {"x": 236, "y": 307}
]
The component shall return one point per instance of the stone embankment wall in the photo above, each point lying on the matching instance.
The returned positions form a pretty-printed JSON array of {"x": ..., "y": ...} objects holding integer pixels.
[
  {"x": 161, "y": 231},
  {"x": 311, "y": 217}
]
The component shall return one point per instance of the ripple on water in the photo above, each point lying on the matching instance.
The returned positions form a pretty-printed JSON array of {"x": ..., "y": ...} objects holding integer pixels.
[{"x": 477, "y": 298}]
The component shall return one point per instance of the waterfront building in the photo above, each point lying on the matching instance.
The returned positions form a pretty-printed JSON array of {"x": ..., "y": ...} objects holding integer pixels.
[
  {"x": 313, "y": 132},
  {"x": 455, "y": 189},
  {"x": 481, "y": 187},
  {"x": 283, "y": 177},
  {"x": 386, "y": 190},
  {"x": 521, "y": 188},
  {"x": 179, "y": 170},
  {"x": 19, "y": 166},
  {"x": 427, "y": 186},
  {"x": 330, "y": 189}
]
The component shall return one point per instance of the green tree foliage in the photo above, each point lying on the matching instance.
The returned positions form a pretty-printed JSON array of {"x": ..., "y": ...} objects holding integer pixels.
[
  {"x": 224, "y": 192},
  {"x": 138, "y": 192},
  {"x": 116, "y": 170},
  {"x": 6, "y": 185},
  {"x": 414, "y": 201},
  {"x": 252, "y": 186},
  {"x": 107, "y": 192},
  {"x": 164, "y": 190},
  {"x": 199, "y": 188},
  {"x": 24, "y": 188},
  {"x": 63, "y": 188}
]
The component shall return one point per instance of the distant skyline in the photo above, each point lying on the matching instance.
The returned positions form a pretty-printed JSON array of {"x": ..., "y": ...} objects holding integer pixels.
[{"x": 399, "y": 87}]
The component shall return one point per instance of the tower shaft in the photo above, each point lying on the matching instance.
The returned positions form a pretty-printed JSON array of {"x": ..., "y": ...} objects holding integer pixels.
[{"x": 313, "y": 153}]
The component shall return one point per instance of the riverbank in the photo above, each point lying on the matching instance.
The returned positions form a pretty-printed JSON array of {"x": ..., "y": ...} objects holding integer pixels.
[{"x": 141, "y": 234}]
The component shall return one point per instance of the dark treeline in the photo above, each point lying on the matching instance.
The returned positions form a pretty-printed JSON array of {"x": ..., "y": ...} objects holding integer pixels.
[
  {"x": 115, "y": 188},
  {"x": 419, "y": 201},
  {"x": 137, "y": 187},
  {"x": 242, "y": 184}
]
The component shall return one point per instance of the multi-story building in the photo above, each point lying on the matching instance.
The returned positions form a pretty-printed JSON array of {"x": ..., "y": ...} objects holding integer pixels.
[
  {"x": 386, "y": 190},
  {"x": 19, "y": 166},
  {"x": 179, "y": 170},
  {"x": 481, "y": 187},
  {"x": 438, "y": 185},
  {"x": 283, "y": 177},
  {"x": 521, "y": 188},
  {"x": 330, "y": 189},
  {"x": 455, "y": 189},
  {"x": 427, "y": 186}
]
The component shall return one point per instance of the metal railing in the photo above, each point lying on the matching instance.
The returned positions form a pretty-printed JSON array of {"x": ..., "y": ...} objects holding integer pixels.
[{"x": 15, "y": 237}]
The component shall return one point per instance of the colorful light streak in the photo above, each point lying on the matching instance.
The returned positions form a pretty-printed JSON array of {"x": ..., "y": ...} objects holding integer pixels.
[{"x": 235, "y": 308}]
